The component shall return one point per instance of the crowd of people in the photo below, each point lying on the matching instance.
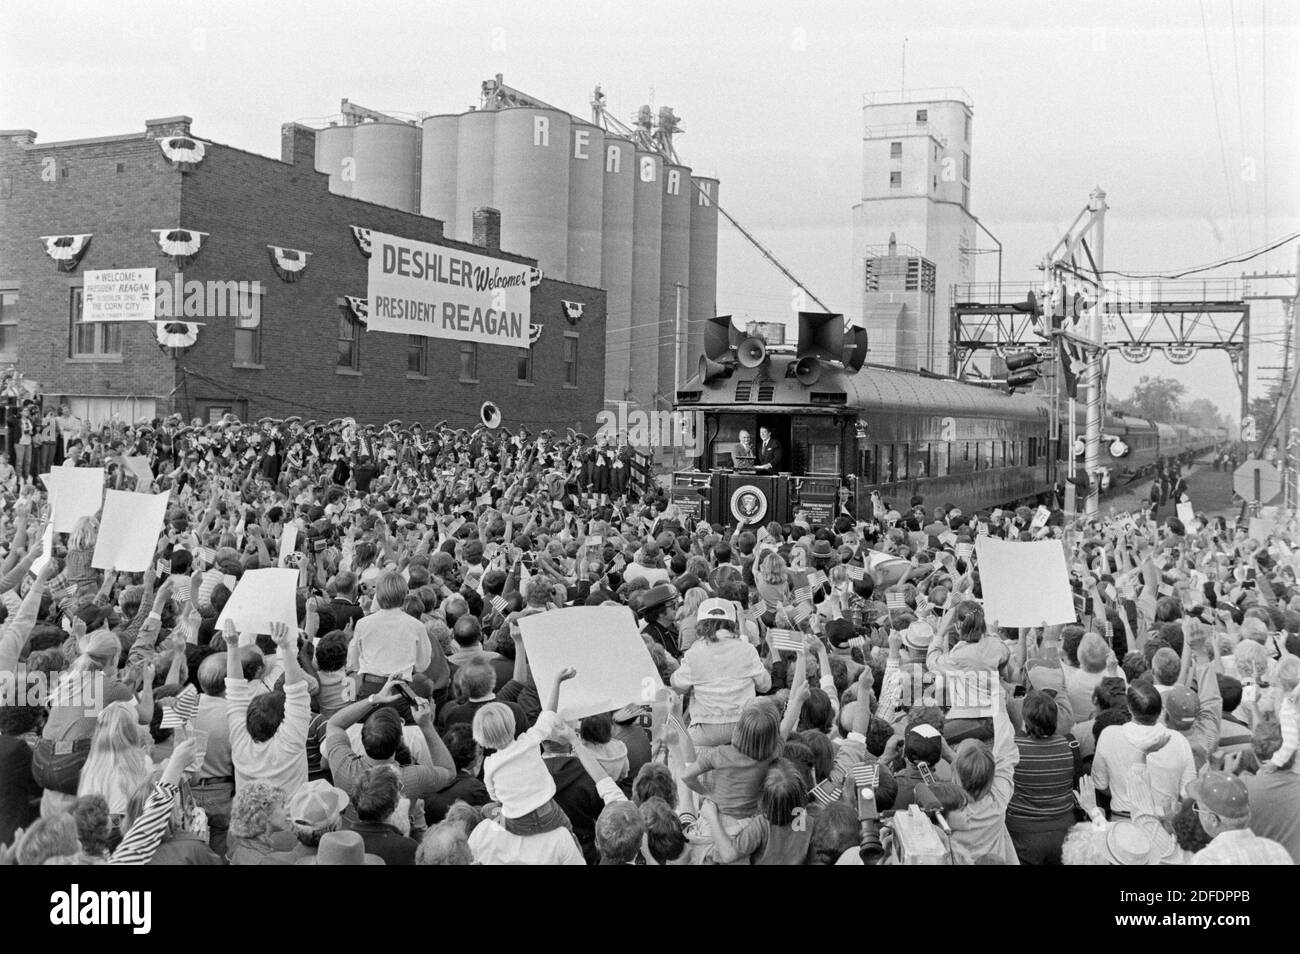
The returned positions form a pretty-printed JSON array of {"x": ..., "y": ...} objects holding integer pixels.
[{"x": 830, "y": 695}]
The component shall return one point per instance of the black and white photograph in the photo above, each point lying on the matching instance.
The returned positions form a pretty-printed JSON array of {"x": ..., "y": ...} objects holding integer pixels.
[{"x": 539, "y": 433}]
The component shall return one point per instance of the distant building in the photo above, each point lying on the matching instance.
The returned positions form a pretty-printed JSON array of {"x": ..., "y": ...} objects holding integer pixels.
[
  {"x": 123, "y": 202},
  {"x": 898, "y": 308},
  {"x": 916, "y": 177}
]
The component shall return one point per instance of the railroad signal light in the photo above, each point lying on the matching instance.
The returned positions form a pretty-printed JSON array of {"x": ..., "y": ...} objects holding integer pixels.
[{"x": 1022, "y": 370}]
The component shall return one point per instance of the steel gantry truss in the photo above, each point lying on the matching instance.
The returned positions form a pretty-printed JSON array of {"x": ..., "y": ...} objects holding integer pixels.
[{"x": 1180, "y": 319}]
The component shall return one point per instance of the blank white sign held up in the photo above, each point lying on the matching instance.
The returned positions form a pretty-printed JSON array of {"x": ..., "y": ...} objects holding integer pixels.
[
  {"x": 129, "y": 531},
  {"x": 603, "y": 645},
  {"x": 262, "y": 597},
  {"x": 1024, "y": 584}
]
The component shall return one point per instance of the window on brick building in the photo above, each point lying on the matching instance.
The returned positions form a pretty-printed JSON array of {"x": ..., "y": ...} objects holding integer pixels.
[
  {"x": 9, "y": 323},
  {"x": 93, "y": 338},
  {"x": 417, "y": 355},
  {"x": 895, "y": 150},
  {"x": 248, "y": 341},
  {"x": 895, "y": 180},
  {"x": 571, "y": 359},
  {"x": 524, "y": 371},
  {"x": 349, "y": 345},
  {"x": 469, "y": 361}
]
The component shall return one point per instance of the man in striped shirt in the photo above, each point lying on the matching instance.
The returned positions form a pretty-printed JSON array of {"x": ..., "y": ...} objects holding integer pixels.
[{"x": 1041, "y": 810}]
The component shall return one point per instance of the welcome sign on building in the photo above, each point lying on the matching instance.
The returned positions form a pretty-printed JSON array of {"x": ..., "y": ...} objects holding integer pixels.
[{"x": 416, "y": 288}]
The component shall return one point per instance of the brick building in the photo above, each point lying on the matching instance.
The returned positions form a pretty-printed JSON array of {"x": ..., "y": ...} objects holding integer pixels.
[{"x": 307, "y": 356}]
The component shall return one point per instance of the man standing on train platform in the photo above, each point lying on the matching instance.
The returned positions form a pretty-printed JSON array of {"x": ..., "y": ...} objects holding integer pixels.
[{"x": 769, "y": 452}]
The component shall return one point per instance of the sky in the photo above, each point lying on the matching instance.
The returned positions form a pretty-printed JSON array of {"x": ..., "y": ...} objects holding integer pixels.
[{"x": 1183, "y": 111}]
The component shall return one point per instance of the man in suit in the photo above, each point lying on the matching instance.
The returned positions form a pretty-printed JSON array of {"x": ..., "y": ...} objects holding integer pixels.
[
  {"x": 743, "y": 455},
  {"x": 769, "y": 452}
]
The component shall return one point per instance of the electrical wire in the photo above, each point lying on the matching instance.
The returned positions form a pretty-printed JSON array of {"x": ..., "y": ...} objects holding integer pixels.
[
  {"x": 1241, "y": 117},
  {"x": 1237, "y": 260},
  {"x": 1223, "y": 151}
]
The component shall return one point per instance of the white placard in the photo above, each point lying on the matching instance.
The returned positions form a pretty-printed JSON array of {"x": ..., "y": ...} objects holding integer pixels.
[
  {"x": 417, "y": 288},
  {"x": 75, "y": 492},
  {"x": 288, "y": 540},
  {"x": 1186, "y": 514},
  {"x": 603, "y": 645},
  {"x": 119, "y": 294},
  {"x": 138, "y": 467},
  {"x": 262, "y": 597},
  {"x": 1024, "y": 584},
  {"x": 129, "y": 531}
]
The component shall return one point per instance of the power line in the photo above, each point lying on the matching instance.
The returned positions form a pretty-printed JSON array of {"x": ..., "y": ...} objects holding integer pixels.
[
  {"x": 1246, "y": 257},
  {"x": 1223, "y": 152},
  {"x": 1241, "y": 119}
]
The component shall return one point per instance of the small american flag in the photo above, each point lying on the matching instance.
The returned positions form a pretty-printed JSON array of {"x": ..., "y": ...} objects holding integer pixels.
[
  {"x": 803, "y": 594},
  {"x": 866, "y": 775},
  {"x": 825, "y": 793},
  {"x": 498, "y": 603},
  {"x": 162, "y": 568},
  {"x": 758, "y": 610},
  {"x": 858, "y": 642},
  {"x": 183, "y": 711},
  {"x": 856, "y": 572},
  {"x": 895, "y": 601},
  {"x": 800, "y": 612},
  {"x": 964, "y": 551},
  {"x": 786, "y": 640},
  {"x": 817, "y": 578}
]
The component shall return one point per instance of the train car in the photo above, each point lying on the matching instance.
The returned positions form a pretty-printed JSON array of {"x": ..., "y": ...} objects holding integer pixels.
[{"x": 846, "y": 432}]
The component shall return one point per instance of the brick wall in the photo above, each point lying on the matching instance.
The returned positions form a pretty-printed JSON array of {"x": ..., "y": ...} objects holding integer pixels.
[
  {"x": 74, "y": 189},
  {"x": 247, "y": 202}
]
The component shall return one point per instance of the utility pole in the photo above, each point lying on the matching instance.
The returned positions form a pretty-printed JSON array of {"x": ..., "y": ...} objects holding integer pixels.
[
  {"x": 1288, "y": 420},
  {"x": 1096, "y": 379}
]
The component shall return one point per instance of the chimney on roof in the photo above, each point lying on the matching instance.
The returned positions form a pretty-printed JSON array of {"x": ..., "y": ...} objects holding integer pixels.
[
  {"x": 18, "y": 137},
  {"x": 487, "y": 228},
  {"x": 298, "y": 145},
  {"x": 167, "y": 126}
]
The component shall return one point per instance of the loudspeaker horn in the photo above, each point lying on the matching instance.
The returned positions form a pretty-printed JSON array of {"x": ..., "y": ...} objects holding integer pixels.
[
  {"x": 490, "y": 415},
  {"x": 711, "y": 370},
  {"x": 752, "y": 352},
  {"x": 820, "y": 334},
  {"x": 808, "y": 370},
  {"x": 855, "y": 348},
  {"x": 720, "y": 337}
]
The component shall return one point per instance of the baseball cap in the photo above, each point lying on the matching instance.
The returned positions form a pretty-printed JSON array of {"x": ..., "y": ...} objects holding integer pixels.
[
  {"x": 315, "y": 804},
  {"x": 1225, "y": 795},
  {"x": 714, "y": 608},
  {"x": 1181, "y": 704},
  {"x": 918, "y": 636}
]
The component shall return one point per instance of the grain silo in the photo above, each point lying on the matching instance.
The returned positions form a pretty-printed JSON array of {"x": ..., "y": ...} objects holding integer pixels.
[
  {"x": 586, "y": 202},
  {"x": 674, "y": 270},
  {"x": 703, "y": 303},
  {"x": 475, "y": 165},
  {"x": 616, "y": 264},
  {"x": 440, "y": 144},
  {"x": 386, "y": 164},
  {"x": 647, "y": 228},
  {"x": 335, "y": 156},
  {"x": 598, "y": 203}
]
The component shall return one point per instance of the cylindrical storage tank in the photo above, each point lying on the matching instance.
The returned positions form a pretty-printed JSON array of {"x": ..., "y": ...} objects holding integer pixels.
[
  {"x": 438, "y": 152},
  {"x": 674, "y": 270},
  {"x": 531, "y": 185},
  {"x": 616, "y": 263},
  {"x": 647, "y": 225},
  {"x": 475, "y": 160},
  {"x": 386, "y": 164},
  {"x": 586, "y": 192},
  {"x": 704, "y": 265},
  {"x": 335, "y": 158}
]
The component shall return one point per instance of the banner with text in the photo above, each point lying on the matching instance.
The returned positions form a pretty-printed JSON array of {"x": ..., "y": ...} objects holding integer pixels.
[
  {"x": 119, "y": 294},
  {"x": 417, "y": 288}
]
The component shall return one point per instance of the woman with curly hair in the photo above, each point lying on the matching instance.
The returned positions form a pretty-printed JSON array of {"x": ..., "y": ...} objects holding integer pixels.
[
  {"x": 94, "y": 829},
  {"x": 259, "y": 825}
]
